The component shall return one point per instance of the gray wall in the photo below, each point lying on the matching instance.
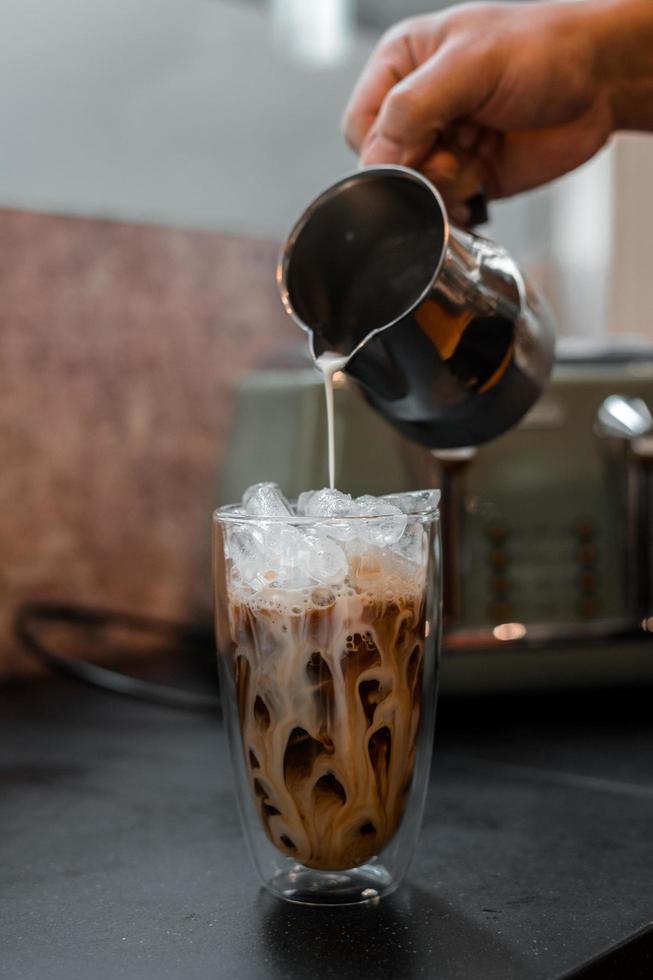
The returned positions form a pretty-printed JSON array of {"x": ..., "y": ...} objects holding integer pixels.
[
  {"x": 175, "y": 111},
  {"x": 186, "y": 112},
  {"x": 171, "y": 111}
]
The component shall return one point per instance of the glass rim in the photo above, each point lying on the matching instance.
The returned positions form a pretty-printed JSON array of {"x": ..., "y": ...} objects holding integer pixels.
[{"x": 225, "y": 514}]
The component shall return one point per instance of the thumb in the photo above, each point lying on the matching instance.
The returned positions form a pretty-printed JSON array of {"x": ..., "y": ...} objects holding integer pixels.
[{"x": 452, "y": 85}]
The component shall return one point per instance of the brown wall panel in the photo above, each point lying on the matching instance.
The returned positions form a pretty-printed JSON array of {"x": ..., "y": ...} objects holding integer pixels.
[{"x": 119, "y": 348}]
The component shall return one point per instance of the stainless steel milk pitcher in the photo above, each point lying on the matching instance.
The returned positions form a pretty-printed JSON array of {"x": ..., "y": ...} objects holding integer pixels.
[{"x": 443, "y": 334}]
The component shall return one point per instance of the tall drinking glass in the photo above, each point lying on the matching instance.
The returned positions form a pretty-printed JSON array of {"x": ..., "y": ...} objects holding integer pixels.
[{"x": 329, "y": 693}]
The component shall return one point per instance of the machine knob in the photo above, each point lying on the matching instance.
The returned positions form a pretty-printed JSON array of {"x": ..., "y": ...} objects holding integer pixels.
[{"x": 623, "y": 418}]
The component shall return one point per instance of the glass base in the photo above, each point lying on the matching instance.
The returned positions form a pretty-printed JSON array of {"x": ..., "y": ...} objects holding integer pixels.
[{"x": 306, "y": 886}]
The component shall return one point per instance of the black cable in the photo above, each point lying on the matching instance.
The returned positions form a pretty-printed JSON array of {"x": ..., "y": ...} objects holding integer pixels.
[{"x": 31, "y": 615}]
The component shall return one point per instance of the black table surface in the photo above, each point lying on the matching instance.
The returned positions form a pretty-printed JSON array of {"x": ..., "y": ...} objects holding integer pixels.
[{"x": 121, "y": 853}]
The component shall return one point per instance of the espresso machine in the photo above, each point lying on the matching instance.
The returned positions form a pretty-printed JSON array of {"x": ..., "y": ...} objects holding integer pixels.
[{"x": 548, "y": 529}]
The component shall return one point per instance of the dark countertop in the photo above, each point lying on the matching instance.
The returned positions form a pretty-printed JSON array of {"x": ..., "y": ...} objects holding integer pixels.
[{"x": 121, "y": 854}]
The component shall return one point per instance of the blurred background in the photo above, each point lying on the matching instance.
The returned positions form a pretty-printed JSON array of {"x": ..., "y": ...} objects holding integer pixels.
[
  {"x": 224, "y": 115},
  {"x": 152, "y": 157}
]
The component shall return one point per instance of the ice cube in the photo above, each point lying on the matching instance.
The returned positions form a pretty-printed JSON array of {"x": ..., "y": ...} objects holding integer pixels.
[
  {"x": 332, "y": 504},
  {"x": 243, "y": 547},
  {"x": 284, "y": 558},
  {"x": 415, "y": 502},
  {"x": 412, "y": 544},
  {"x": 345, "y": 513},
  {"x": 272, "y": 554},
  {"x": 265, "y": 500},
  {"x": 324, "y": 503},
  {"x": 243, "y": 542},
  {"x": 327, "y": 562},
  {"x": 380, "y": 531},
  {"x": 303, "y": 502}
]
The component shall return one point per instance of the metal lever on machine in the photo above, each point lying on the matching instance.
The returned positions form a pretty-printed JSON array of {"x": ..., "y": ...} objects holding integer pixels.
[
  {"x": 640, "y": 504},
  {"x": 625, "y": 427},
  {"x": 452, "y": 464}
]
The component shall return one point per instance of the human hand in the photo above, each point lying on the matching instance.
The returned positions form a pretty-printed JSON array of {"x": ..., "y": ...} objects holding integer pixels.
[{"x": 499, "y": 97}]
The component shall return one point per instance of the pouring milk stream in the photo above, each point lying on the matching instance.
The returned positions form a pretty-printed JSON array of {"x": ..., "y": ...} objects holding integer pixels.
[{"x": 329, "y": 364}]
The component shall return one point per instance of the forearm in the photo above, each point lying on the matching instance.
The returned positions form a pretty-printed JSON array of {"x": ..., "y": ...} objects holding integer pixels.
[{"x": 623, "y": 43}]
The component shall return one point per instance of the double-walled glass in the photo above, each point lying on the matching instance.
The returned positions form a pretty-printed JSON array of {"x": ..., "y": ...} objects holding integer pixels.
[{"x": 329, "y": 697}]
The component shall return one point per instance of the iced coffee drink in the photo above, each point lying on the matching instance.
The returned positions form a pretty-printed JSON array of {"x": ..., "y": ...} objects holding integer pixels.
[{"x": 327, "y": 616}]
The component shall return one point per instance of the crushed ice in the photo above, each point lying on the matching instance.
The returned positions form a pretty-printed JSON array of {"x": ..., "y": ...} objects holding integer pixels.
[{"x": 273, "y": 553}]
